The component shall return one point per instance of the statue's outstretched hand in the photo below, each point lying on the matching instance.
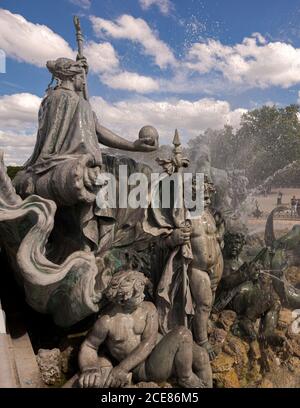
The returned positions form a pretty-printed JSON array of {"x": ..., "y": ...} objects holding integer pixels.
[
  {"x": 91, "y": 378},
  {"x": 118, "y": 378},
  {"x": 146, "y": 145}
]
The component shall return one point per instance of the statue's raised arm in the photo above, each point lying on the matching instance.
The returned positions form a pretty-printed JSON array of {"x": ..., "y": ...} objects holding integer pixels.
[{"x": 67, "y": 150}]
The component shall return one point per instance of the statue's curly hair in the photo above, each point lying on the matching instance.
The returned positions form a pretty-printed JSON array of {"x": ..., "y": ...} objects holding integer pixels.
[
  {"x": 231, "y": 237},
  {"x": 137, "y": 279}
]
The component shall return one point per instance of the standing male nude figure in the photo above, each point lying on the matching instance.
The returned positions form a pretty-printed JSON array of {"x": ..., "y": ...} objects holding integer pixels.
[{"x": 205, "y": 270}]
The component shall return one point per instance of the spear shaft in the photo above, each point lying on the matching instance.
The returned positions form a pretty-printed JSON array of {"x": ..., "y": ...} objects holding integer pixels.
[
  {"x": 175, "y": 165},
  {"x": 180, "y": 220},
  {"x": 79, "y": 39}
]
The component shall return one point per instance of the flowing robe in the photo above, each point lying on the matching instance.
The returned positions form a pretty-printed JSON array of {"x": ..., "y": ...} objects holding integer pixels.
[
  {"x": 67, "y": 128},
  {"x": 66, "y": 145}
]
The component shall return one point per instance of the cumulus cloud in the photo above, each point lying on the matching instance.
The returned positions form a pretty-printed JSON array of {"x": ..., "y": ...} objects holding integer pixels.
[
  {"x": 128, "y": 116},
  {"x": 101, "y": 57},
  {"x": 138, "y": 31},
  {"x": 164, "y": 6},
  {"x": 104, "y": 60},
  {"x": 17, "y": 147},
  {"x": 130, "y": 81},
  {"x": 35, "y": 44},
  {"x": 28, "y": 42},
  {"x": 254, "y": 62},
  {"x": 18, "y": 118},
  {"x": 19, "y": 111}
]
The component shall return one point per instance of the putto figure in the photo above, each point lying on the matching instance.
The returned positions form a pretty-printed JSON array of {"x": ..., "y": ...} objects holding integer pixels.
[
  {"x": 129, "y": 331},
  {"x": 205, "y": 270}
]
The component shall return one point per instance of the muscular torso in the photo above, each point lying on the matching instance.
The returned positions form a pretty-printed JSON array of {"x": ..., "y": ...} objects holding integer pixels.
[
  {"x": 204, "y": 241},
  {"x": 125, "y": 331},
  {"x": 254, "y": 299}
]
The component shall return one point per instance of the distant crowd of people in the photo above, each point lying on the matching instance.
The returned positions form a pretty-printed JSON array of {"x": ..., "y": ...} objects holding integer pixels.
[
  {"x": 295, "y": 206},
  {"x": 294, "y": 209}
]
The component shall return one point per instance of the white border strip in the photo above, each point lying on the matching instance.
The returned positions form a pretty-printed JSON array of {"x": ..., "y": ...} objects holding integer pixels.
[{"x": 2, "y": 321}]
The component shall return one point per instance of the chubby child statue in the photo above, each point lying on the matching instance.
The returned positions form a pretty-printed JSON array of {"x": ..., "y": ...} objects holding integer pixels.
[{"x": 128, "y": 331}]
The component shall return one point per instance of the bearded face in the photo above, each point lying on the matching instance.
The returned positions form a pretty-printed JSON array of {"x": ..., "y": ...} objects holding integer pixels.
[{"x": 130, "y": 293}]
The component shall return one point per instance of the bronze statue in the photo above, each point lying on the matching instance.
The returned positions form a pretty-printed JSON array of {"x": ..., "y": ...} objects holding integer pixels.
[
  {"x": 199, "y": 268},
  {"x": 128, "y": 328},
  {"x": 206, "y": 268},
  {"x": 246, "y": 291},
  {"x": 67, "y": 162},
  {"x": 75, "y": 258},
  {"x": 256, "y": 289},
  {"x": 56, "y": 195}
]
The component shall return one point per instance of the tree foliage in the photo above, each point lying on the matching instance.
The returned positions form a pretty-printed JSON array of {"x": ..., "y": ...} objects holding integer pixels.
[
  {"x": 12, "y": 171},
  {"x": 268, "y": 139}
]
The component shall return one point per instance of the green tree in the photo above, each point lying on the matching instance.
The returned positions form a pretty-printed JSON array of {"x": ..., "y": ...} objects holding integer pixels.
[
  {"x": 12, "y": 171},
  {"x": 269, "y": 139}
]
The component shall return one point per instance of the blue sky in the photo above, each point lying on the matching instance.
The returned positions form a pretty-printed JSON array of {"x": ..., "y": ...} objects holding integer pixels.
[{"x": 191, "y": 64}]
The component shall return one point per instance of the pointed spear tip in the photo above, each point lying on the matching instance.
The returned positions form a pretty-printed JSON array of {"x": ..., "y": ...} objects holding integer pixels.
[
  {"x": 176, "y": 140},
  {"x": 76, "y": 21}
]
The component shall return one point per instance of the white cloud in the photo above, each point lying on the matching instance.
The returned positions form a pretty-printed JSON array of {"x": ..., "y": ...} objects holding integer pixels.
[
  {"x": 101, "y": 57},
  {"x": 138, "y": 31},
  {"x": 130, "y": 81},
  {"x": 128, "y": 116},
  {"x": 19, "y": 111},
  {"x": 18, "y": 118},
  {"x": 164, "y": 6},
  {"x": 254, "y": 62},
  {"x": 103, "y": 60},
  {"x": 17, "y": 132},
  {"x": 85, "y": 4},
  {"x": 17, "y": 147},
  {"x": 28, "y": 42},
  {"x": 35, "y": 44}
]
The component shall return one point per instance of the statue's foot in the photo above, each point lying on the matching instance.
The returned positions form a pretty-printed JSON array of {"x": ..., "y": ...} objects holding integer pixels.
[
  {"x": 247, "y": 329},
  {"x": 191, "y": 382},
  {"x": 275, "y": 339},
  {"x": 209, "y": 348}
]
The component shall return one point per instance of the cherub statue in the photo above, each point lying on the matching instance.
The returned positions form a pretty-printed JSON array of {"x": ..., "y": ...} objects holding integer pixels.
[
  {"x": 202, "y": 236},
  {"x": 128, "y": 330},
  {"x": 206, "y": 268},
  {"x": 247, "y": 291}
]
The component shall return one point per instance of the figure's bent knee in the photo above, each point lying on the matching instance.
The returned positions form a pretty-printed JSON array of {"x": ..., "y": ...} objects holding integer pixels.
[
  {"x": 200, "y": 357},
  {"x": 183, "y": 333}
]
